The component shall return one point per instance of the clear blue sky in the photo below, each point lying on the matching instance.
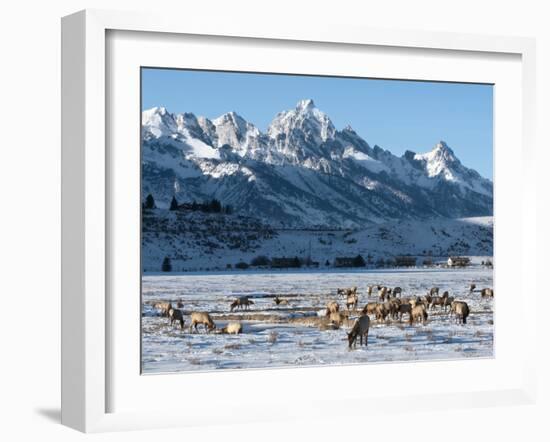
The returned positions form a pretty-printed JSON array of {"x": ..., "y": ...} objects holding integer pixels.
[{"x": 396, "y": 115}]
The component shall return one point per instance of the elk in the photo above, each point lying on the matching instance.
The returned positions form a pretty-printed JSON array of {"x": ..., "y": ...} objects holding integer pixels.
[
  {"x": 418, "y": 314},
  {"x": 201, "y": 318},
  {"x": 332, "y": 307},
  {"x": 232, "y": 328},
  {"x": 428, "y": 299},
  {"x": 280, "y": 301},
  {"x": 360, "y": 328},
  {"x": 472, "y": 287},
  {"x": 382, "y": 293},
  {"x": 434, "y": 291},
  {"x": 381, "y": 312},
  {"x": 175, "y": 315},
  {"x": 404, "y": 308},
  {"x": 242, "y": 302},
  {"x": 447, "y": 302},
  {"x": 437, "y": 300},
  {"x": 392, "y": 306},
  {"x": 163, "y": 307},
  {"x": 487, "y": 293},
  {"x": 414, "y": 301},
  {"x": 369, "y": 309},
  {"x": 344, "y": 293},
  {"x": 460, "y": 310},
  {"x": 397, "y": 291},
  {"x": 352, "y": 300}
]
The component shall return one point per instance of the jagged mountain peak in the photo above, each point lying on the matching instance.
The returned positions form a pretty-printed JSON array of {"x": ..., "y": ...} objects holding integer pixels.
[
  {"x": 440, "y": 160},
  {"x": 306, "y": 105},
  {"x": 305, "y": 126},
  {"x": 157, "y": 110},
  {"x": 442, "y": 149},
  {"x": 230, "y": 117},
  {"x": 158, "y": 122}
]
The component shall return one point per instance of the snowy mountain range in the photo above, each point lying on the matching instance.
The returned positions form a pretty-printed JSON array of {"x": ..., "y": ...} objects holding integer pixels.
[{"x": 302, "y": 172}]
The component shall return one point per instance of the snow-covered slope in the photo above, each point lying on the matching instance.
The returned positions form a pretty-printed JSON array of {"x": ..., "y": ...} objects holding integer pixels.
[
  {"x": 302, "y": 172},
  {"x": 197, "y": 241}
]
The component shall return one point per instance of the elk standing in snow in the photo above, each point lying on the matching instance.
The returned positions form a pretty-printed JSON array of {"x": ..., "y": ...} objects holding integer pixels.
[
  {"x": 242, "y": 302},
  {"x": 418, "y": 314},
  {"x": 163, "y": 307},
  {"x": 352, "y": 300},
  {"x": 201, "y": 318},
  {"x": 404, "y": 308},
  {"x": 360, "y": 328},
  {"x": 382, "y": 294},
  {"x": 369, "y": 309},
  {"x": 175, "y": 315},
  {"x": 461, "y": 311}
]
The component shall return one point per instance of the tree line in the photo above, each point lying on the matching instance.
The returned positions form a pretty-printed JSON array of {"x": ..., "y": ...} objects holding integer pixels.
[{"x": 211, "y": 206}]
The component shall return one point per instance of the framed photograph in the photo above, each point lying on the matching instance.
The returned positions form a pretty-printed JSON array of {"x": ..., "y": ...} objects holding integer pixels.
[{"x": 250, "y": 214}]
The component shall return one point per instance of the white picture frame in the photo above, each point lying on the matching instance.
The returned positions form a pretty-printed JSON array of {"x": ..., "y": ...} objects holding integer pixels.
[{"x": 87, "y": 214}]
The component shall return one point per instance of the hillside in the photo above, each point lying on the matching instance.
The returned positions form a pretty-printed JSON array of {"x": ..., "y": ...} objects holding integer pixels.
[{"x": 197, "y": 241}]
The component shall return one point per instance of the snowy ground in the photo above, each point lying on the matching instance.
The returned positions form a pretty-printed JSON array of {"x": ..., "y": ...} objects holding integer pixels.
[{"x": 276, "y": 336}]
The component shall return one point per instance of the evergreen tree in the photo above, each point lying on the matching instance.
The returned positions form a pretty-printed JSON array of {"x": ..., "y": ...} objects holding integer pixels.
[
  {"x": 150, "y": 202},
  {"x": 359, "y": 261},
  {"x": 215, "y": 206},
  {"x": 174, "y": 204},
  {"x": 166, "y": 265}
]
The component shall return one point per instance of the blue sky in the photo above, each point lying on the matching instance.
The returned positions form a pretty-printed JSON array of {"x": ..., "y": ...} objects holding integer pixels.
[{"x": 396, "y": 115}]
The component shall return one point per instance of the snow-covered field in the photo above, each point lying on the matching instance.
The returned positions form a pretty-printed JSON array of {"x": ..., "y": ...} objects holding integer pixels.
[{"x": 286, "y": 336}]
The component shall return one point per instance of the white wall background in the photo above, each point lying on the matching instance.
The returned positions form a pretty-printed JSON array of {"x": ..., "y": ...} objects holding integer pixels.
[{"x": 30, "y": 217}]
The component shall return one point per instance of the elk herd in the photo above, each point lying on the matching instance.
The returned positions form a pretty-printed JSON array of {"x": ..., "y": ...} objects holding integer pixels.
[{"x": 390, "y": 305}]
